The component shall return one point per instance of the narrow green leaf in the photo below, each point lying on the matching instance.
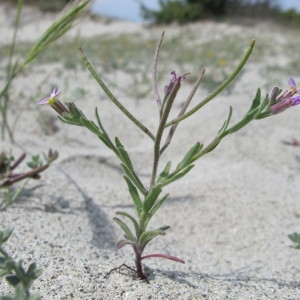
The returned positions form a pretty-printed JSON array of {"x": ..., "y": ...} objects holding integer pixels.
[
  {"x": 132, "y": 219},
  {"x": 90, "y": 125},
  {"x": 256, "y": 100},
  {"x": 246, "y": 119},
  {"x": 190, "y": 155},
  {"x": 151, "y": 198},
  {"x": 134, "y": 195},
  {"x": 147, "y": 236},
  {"x": 165, "y": 172},
  {"x": 69, "y": 119},
  {"x": 99, "y": 121},
  {"x": 226, "y": 123},
  {"x": 177, "y": 176},
  {"x": 105, "y": 140},
  {"x": 123, "y": 153},
  {"x": 264, "y": 107},
  {"x": 157, "y": 206},
  {"x": 118, "y": 143},
  {"x": 126, "y": 229},
  {"x": 133, "y": 179},
  {"x": 164, "y": 228},
  {"x": 122, "y": 243}
]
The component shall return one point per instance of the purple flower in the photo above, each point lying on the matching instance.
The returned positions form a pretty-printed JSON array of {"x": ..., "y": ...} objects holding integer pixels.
[
  {"x": 51, "y": 98},
  {"x": 293, "y": 86},
  {"x": 55, "y": 103},
  {"x": 289, "y": 98},
  {"x": 168, "y": 88},
  {"x": 295, "y": 99},
  {"x": 174, "y": 79}
]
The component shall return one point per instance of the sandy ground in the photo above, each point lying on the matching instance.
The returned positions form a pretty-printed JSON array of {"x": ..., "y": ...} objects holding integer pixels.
[{"x": 229, "y": 217}]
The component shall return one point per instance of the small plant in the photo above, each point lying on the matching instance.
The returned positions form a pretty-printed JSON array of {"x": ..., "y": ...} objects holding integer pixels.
[
  {"x": 8, "y": 176},
  {"x": 149, "y": 197},
  {"x": 15, "y": 274}
]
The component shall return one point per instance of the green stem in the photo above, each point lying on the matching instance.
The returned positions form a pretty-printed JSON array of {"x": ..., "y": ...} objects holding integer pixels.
[
  {"x": 160, "y": 130},
  {"x": 218, "y": 89}
]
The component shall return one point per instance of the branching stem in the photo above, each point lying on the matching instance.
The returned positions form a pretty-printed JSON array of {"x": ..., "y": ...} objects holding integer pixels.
[{"x": 161, "y": 127}]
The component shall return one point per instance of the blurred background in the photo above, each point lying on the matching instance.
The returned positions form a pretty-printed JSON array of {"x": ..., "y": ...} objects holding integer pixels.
[
  {"x": 184, "y": 11},
  {"x": 134, "y": 10}
]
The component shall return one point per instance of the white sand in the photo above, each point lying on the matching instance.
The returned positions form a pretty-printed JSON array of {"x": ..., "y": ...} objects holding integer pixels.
[{"x": 229, "y": 217}]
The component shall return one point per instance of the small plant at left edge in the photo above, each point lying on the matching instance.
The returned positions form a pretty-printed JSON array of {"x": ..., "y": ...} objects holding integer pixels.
[
  {"x": 9, "y": 177},
  {"x": 15, "y": 274}
]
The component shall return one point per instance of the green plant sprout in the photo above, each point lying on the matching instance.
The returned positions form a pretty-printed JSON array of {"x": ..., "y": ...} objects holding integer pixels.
[
  {"x": 8, "y": 176},
  {"x": 148, "y": 198},
  {"x": 15, "y": 67},
  {"x": 19, "y": 278}
]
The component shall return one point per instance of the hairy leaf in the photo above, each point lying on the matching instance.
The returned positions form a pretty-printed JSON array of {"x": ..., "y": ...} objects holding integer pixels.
[
  {"x": 132, "y": 219},
  {"x": 147, "y": 236},
  {"x": 133, "y": 179},
  {"x": 123, "y": 243},
  {"x": 190, "y": 155},
  {"x": 151, "y": 198},
  {"x": 165, "y": 172},
  {"x": 178, "y": 175},
  {"x": 157, "y": 206},
  {"x": 124, "y": 154},
  {"x": 126, "y": 229},
  {"x": 134, "y": 195},
  {"x": 90, "y": 125}
]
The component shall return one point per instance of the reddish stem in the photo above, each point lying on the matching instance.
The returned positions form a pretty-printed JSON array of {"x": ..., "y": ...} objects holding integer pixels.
[
  {"x": 18, "y": 161},
  {"x": 138, "y": 263},
  {"x": 163, "y": 256},
  {"x": 34, "y": 173}
]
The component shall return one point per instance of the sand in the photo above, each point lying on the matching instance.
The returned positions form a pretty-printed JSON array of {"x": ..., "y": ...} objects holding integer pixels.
[{"x": 229, "y": 217}]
